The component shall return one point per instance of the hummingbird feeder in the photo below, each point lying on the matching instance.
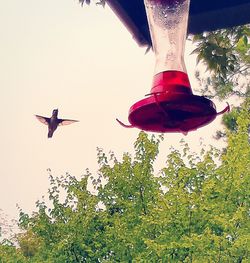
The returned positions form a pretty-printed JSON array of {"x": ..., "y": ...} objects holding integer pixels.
[{"x": 170, "y": 106}]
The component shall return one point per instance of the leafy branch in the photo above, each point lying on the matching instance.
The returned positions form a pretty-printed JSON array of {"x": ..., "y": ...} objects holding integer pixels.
[{"x": 226, "y": 54}]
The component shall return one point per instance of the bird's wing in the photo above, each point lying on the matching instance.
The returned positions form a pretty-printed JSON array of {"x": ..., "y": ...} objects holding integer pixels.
[
  {"x": 65, "y": 121},
  {"x": 42, "y": 119}
]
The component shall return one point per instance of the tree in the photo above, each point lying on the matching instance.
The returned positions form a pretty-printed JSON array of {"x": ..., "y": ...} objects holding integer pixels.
[
  {"x": 196, "y": 210},
  {"x": 226, "y": 55}
]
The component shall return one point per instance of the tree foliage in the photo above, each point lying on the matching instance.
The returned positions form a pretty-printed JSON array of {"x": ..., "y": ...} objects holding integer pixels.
[
  {"x": 226, "y": 55},
  {"x": 195, "y": 210}
]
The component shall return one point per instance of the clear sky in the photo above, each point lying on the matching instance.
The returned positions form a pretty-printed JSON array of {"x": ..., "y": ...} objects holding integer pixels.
[{"x": 83, "y": 61}]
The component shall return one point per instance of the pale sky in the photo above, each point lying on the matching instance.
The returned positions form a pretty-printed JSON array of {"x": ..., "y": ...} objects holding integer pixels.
[{"x": 83, "y": 61}]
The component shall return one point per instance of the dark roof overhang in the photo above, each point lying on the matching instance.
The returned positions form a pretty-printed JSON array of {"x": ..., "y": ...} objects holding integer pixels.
[{"x": 203, "y": 16}]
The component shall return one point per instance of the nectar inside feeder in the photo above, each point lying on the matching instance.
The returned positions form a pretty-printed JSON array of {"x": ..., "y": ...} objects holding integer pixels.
[{"x": 170, "y": 106}]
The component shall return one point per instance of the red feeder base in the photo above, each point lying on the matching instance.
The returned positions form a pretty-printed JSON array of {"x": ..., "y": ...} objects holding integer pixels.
[{"x": 171, "y": 106}]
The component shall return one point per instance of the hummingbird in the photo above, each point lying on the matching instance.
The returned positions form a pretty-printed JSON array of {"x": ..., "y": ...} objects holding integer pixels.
[{"x": 53, "y": 122}]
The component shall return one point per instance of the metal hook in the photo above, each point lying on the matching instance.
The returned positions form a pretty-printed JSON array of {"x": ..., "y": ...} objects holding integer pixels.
[
  {"x": 159, "y": 105},
  {"x": 227, "y": 109},
  {"x": 124, "y": 125}
]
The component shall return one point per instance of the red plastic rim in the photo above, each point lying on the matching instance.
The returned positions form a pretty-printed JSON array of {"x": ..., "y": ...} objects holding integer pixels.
[
  {"x": 171, "y": 106},
  {"x": 172, "y": 113}
]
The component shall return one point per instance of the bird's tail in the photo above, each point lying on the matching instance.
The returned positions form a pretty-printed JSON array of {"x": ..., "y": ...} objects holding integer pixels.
[{"x": 50, "y": 134}]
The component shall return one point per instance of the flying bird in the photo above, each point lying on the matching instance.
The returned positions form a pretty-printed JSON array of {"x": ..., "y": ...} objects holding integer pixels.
[{"x": 53, "y": 122}]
